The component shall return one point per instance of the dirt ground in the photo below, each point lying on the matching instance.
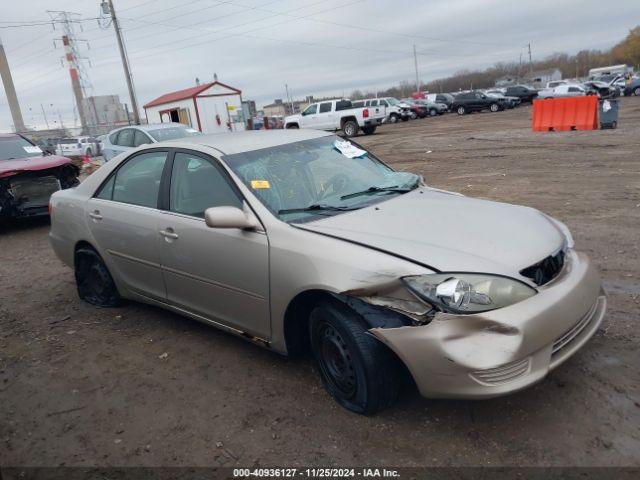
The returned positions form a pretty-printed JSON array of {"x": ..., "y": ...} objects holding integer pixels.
[{"x": 84, "y": 386}]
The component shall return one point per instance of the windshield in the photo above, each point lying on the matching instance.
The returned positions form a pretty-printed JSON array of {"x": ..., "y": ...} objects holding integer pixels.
[
  {"x": 171, "y": 133},
  {"x": 392, "y": 101},
  {"x": 17, "y": 147},
  {"x": 315, "y": 173}
]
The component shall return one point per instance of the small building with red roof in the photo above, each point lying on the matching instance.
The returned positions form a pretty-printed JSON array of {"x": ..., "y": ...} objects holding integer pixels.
[{"x": 211, "y": 108}]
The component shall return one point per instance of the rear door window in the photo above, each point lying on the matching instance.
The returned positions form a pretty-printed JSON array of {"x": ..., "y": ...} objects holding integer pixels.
[
  {"x": 137, "y": 181},
  {"x": 325, "y": 107},
  {"x": 126, "y": 137},
  {"x": 140, "y": 138}
]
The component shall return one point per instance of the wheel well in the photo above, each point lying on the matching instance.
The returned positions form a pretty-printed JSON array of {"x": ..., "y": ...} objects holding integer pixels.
[
  {"x": 296, "y": 317},
  {"x": 346, "y": 119},
  {"x": 79, "y": 245},
  {"x": 289, "y": 125},
  {"x": 296, "y": 320}
]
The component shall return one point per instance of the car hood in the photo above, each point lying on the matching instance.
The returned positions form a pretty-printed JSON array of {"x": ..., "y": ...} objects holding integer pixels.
[
  {"x": 9, "y": 168},
  {"x": 450, "y": 232}
]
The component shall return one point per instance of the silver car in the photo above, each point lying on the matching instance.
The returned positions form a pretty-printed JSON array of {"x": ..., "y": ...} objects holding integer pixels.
[
  {"x": 301, "y": 241},
  {"x": 126, "y": 138}
]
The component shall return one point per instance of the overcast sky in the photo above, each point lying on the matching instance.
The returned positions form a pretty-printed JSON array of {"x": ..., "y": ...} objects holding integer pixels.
[{"x": 327, "y": 47}]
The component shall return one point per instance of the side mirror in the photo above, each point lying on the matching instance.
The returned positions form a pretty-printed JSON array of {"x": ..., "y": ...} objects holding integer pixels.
[{"x": 231, "y": 217}]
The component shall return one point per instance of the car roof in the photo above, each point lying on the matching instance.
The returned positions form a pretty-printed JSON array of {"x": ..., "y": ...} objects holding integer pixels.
[
  {"x": 247, "y": 141},
  {"x": 151, "y": 126}
]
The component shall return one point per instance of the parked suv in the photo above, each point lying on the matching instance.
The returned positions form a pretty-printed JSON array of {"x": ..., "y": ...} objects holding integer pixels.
[
  {"x": 476, "y": 101},
  {"x": 524, "y": 93},
  {"x": 632, "y": 87}
]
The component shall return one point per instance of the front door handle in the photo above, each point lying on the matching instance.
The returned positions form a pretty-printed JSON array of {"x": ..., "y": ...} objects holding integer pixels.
[
  {"x": 169, "y": 233},
  {"x": 96, "y": 215}
]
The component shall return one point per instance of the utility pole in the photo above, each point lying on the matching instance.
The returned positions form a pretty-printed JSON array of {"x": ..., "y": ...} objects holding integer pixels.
[
  {"x": 290, "y": 100},
  {"x": 108, "y": 8},
  {"x": 415, "y": 62},
  {"x": 530, "y": 62},
  {"x": 12, "y": 98},
  {"x": 45, "y": 116}
]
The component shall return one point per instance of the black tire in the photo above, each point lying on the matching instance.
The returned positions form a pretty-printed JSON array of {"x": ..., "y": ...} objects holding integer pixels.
[
  {"x": 369, "y": 130},
  {"x": 93, "y": 280},
  {"x": 292, "y": 125},
  {"x": 433, "y": 112},
  {"x": 357, "y": 370},
  {"x": 350, "y": 128},
  {"x": 393, "y": 118},
  {"x": 405, "y": 118},
  {"x": 636, "y": 92},
  {"x": 460, "y": 110},
  {"x": 494, "y": 107}
]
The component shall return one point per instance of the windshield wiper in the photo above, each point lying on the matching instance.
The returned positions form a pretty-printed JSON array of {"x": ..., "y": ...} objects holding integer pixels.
[
  {"x": 317, "y": 207},
  {"x": 393, "y": 188}
]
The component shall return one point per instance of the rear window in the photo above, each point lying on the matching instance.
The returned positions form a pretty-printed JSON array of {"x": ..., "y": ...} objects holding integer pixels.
[
  {"x": 69, "y": 141},
  {"x": 343, "y": 105}
]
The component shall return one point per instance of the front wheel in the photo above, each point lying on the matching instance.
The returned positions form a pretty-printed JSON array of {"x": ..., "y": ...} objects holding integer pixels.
[
  {"x": 433, "y": 112},
  {"x": 636, "y": 92},
  {"x": 369, "y": 130},
  {"x": 94, "y": 282},
  {"x": 350, "y": 128},
  {"x": 494, "y": 107},
  {"x": 357, "y": 370},
  {"x": 292, "y": 126},
  {"x": 461, "y": 110},
  {"x": 393, "y": 118}
]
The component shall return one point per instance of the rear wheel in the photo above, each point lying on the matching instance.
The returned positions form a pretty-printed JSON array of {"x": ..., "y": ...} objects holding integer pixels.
[
  {"x": 461, "y": 110},
  {"x": 359, "y": 372},
  {"x": 94, "y": 282},
  {"x": 350, "y": 128},
  {"x": 368, "y": 130},
  {"x": 636, "y": 92},
  {"x": 433, "y": 112}
]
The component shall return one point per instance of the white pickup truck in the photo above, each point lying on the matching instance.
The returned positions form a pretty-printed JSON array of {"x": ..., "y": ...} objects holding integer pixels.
[{"x": 336, "y": 115}]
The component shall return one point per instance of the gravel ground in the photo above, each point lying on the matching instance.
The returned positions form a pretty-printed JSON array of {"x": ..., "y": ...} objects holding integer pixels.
[{"x": 140, "y": 386}]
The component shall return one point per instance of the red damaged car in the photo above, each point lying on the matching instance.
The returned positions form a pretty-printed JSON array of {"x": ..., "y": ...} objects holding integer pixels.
[{"x": 28, "y": 177}]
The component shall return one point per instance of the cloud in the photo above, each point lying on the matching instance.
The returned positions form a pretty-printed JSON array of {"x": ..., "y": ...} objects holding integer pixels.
[{"x": 318, "y": 48}]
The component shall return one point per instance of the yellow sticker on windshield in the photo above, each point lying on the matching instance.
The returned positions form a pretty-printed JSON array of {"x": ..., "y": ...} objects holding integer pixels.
[{"x": 257, "y": 184}]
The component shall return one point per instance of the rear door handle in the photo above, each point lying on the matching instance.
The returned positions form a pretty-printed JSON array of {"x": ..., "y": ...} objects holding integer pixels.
[
  {"x": 169, "y": 233},
  {"x": 96, "y": 215}
]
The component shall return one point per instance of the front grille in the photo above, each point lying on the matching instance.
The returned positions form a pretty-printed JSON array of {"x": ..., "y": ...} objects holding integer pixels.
[
  {"x": 566, "y": 338},
  {"x": 545, "y": 270},
  {"x": 503, "y": 374}
]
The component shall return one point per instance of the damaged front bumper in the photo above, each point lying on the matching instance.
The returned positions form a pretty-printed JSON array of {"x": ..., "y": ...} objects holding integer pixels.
[
  {"x": 505, "y": 350},
  {"x": 27, "y": 194}
]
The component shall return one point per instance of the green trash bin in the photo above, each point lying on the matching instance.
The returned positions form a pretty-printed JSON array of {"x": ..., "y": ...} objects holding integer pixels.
[{"x": 608, "y": 113}]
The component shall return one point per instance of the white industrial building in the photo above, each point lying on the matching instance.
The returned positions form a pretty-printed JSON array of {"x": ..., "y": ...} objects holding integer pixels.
[{"x": 211, "y": 108}]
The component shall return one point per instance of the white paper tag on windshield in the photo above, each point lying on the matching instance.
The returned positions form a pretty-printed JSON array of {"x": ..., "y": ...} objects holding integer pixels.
[
  {"x": 32, "y": 149},
  {"x": 606, "y": 106},
  {"x": 348, "y": 149}
]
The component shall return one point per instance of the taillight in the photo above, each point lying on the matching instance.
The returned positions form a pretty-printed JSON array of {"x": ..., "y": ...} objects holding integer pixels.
[
  {"x": 365, "y": 113},
  {"x": 50, "y": 208}
]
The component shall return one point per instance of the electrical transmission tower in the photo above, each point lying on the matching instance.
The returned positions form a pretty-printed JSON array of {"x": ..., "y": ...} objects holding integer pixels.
[{"x": 80, "y": 82}]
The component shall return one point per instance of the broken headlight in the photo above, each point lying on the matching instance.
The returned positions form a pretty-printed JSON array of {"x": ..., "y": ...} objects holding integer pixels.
[{"x": 467, "y": 292}]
